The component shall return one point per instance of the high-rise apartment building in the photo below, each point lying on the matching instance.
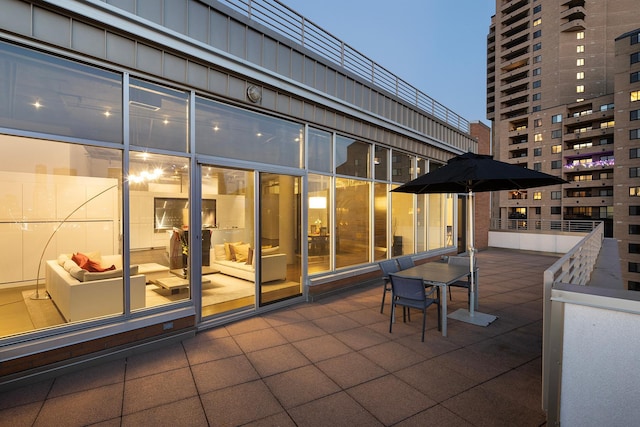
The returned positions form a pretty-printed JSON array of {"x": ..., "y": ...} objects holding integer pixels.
[{"x": 563, "y": 95}]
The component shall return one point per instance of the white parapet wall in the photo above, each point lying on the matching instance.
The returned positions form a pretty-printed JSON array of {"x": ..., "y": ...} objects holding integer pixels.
[{"x": 554, "y": 243}]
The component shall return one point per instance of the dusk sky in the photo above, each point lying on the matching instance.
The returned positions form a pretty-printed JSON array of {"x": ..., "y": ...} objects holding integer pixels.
[{"x": 438, "y": 46}]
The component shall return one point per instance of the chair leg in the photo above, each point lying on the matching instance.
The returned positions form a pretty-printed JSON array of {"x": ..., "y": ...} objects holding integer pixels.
[
  {"x": 439, "y": 317},
  {"x": 384, "y": 294},
  {"x": 424, "y": 319},
  {"x": 449, "y": 293},
  {"x": 393, "y": 313}
]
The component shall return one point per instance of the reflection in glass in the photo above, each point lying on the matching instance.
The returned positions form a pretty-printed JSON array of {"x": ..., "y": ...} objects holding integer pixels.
[
  {"x": 158, "y": 116},
  {"x": 60, "y": 220},
  {"x": 159, "y": 225},
  {"x": 319, "y": 220},
  {"x": 380, "y": 209},
  {"x": 381, "y": 163},
  {"x": 352, "y": 222},
  {"x": 352, "y": 157},
  {"x": 401, "y": 167},
  {"x": 319, "y": 147},
  {"x": 229, "y": 261},
  {"x": 226, "y": 131},
  {"x": 402, "y": 223},
  {"x": 85, "y": 102}
]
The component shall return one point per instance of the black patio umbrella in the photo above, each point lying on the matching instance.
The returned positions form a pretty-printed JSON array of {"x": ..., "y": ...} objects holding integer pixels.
[{"x": 469, "y": 173}]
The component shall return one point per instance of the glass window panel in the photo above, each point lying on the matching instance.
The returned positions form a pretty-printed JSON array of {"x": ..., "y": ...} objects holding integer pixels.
[
  {"x": 402, "y": 223},
  {"x": 60, "y": 199},
  {"x": 421, "y": 223},
  {"x": 401, "y": 167},
  {"x": 436, "y": 219},
  {"x": 43, "y": 93},
  {"x": 380, "y": 204},
  {"x": 319, "y": 147},
  {"x": 352, "y": 157},
  {"x": 159, "y": 224},
  {"x": 381, "y": 163},
  {"x": 158, "y": 116},
  {"x": 352, "y": 222},
  {"x": 319, "y": 220},
  {"x": 226, "y": 131}
]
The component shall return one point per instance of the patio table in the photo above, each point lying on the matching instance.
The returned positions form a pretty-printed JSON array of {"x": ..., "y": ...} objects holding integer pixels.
[{"x": 438, "y": 274}]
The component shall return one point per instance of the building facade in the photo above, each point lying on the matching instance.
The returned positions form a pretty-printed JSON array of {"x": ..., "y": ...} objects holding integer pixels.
[
  {"x": 560, "y": 88},
  {"x": 173, "y": 166}
]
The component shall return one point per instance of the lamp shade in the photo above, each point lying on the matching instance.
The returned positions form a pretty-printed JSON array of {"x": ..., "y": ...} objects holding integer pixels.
[{"x": 317, "y": 202}]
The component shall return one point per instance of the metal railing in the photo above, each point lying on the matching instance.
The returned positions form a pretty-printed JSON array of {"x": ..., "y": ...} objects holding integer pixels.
[
  {"x": 542, "y": 225},
  {"x": 575, "y": 268},
  {"x": 288, "y": 23}
]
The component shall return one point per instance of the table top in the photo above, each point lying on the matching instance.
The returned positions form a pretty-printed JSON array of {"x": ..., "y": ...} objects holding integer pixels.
[{"x": 436, "y": 272}]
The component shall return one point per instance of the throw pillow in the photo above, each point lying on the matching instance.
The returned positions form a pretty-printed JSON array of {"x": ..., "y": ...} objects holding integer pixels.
[
  {"x": 219, "y": 252},
  {"x": 95, "y": 267},
  {"x": 227, "y": 249},
  {"x": 241, "y": 252},
  {"x": 80, "y": 259}
]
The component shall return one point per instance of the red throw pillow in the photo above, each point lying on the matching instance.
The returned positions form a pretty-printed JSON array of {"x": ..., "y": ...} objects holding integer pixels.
[
  {"x": 95, "y": 267},
  {"x": 80, "y": 259}
]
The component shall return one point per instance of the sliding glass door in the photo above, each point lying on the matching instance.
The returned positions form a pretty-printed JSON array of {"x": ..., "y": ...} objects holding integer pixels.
[{"x": 280, "y": 237}]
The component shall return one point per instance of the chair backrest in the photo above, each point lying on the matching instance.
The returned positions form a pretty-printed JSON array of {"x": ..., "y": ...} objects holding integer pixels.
[
  {"x": 462, "y": 260},
  {"x": 407, "y": 287},
  {"x": 388, "y": 266},
  {"x": 405, "y": 262}
]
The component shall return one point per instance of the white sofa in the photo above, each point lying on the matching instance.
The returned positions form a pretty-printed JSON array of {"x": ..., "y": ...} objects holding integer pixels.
[
  {"x": 100, "y": 294},
  {"x": 274, "y": 265}
]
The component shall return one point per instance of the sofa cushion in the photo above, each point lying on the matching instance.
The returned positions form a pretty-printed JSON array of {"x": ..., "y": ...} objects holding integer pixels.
[
  {"x": 109, "y": 274},
  {"x": 227, "y": 250},
  {"x": 218, "y": 252}
]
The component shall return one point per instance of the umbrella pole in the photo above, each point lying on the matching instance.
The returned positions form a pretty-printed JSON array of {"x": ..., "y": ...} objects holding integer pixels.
[
  {"x": 471, "y": 316},
  {"x": 470, "y": 225}
]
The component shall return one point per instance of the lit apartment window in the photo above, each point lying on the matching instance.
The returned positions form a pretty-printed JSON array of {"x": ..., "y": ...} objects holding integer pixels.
[
  {"x": 556, "y": 195},
  {"x": 537, "y": 58},
  {"x": 634, "y": 77},
  {"x": 537, "y": 22},
  {"x": 537, "y": 123},
  {"x": 579, "y": 99},
  {"x": 556, "y": 149},
  {"x": 537, "y": 195},
  {"x": 537, "y": 84},
  {"x": 605, "y": 107},
  {"x": 580, "y": 62},
  {"x": 608, "y": 124},
  {"x": 580, "y": 89},
  {"x": 537, "y": 46},
  {"x": 580, "y": 35},
  {"x": 556, "y": 118},
  {"x": 634, "y": 134},
  {"x": 537, "y": 34},
  {"x": 635, "y": 95},
  {"x": 580, "y": 75},
  {"x": 556, "y": 164},
  {"x": 634, "y": 191},
  {"x": 537, "y": 137},
  {"x": 635, "y": 57},
  {"x": 536, "y": 97},
  {"x": 634, "y": 153},
  {"x": 580, "y": 48},
  {"x": 537, "y": 71},
  {"x": 634, "y": 114}
]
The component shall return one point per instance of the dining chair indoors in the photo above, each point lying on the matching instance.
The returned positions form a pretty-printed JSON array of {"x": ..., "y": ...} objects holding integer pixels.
[
  {"x": 405, "y": 262},
  {"x": 409, "y": 292},
  {"x": 388, "y": 266}
]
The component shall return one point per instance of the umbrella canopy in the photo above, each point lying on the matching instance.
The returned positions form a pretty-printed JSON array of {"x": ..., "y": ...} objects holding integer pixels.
[{"x": 477, "y": 173}]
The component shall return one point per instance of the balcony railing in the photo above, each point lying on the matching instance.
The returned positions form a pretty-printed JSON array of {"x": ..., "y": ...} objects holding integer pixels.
[
  {"x": 544, "y": 225},
  {"x": 286, "y": 22}
]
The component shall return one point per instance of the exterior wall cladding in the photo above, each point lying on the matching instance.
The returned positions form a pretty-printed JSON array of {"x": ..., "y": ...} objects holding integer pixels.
[{"x": 562, "y": 91}]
